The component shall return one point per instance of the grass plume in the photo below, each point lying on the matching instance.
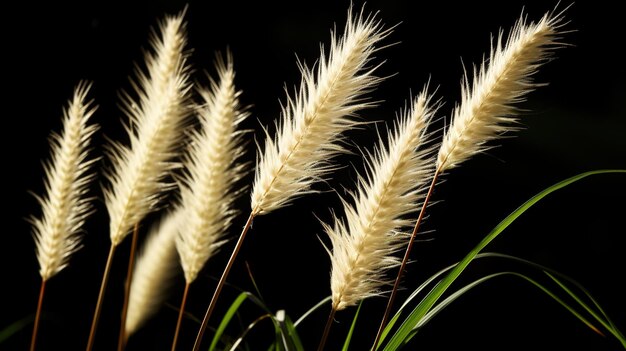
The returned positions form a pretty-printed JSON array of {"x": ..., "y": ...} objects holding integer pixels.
[
  {"x": 363, "y": 245},
  {"x": 65, "y": 207},
  {"x": 212, "y": 169},
  {"x": 155, "y": 268},
  {"x": 155, "y": 132},
  {"x": 207, "y": 193},
  {"x": 203, "y": 164},
  {"x": 313, "y": 120},
  {"x": 311, "y": 127},
  {"x": 487, "y": 105}
]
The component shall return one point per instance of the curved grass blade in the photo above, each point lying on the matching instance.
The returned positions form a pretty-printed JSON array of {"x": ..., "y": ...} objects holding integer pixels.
[
  {"x": 289, "y": 336},
  {"x": 251, "y": 276},
  {"x": 346, "y": 344},
  {"x": 226, "y": 319},
  {"x": 324, "y": 302},
  {"x": 15, "y": 327},
  {"x": 606, "y": 322},
  {"x": 413, "y": 295},
  {"x": 404, "y": 331},
  {"x": 439, "y": 307},
  {"x": 232, "y": 311},
  {"x": 448, "y": 300},
  {"x": 416, "y": 292},
  {"x": 285, "y": 333},
  {"x": 247, "y": 330}
]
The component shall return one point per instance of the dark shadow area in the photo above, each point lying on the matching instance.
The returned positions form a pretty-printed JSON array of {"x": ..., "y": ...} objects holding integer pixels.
[{"x": 576, "y": 123}]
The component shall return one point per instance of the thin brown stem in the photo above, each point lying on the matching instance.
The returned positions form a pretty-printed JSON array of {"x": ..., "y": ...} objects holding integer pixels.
[
  {"x": 221, "y": 282},
  {"x": 180, "y": 316},
  {"x": 329, "y": 324},
  {"x": 103, "y": 285},
  {"x": 407, "y": 254},
  {"x": 123, "y": 338},
  {"x": 33, "y": 339}
]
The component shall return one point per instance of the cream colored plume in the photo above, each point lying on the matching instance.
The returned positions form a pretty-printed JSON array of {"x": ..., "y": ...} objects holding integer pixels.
[
  {"x": 486, "y": 110},
  {"x": 155, "y": 268},
  {"x": 309, "y": 133},
  {"x": 65, "y": 207},
  {"x": 211, "y": 171},
  {"x": 363, "y": 245},
  {"x": 155, "y": 131}
]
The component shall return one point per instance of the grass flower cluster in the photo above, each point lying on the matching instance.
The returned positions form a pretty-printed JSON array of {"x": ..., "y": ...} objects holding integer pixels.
[{"x": 185, "y": 160}]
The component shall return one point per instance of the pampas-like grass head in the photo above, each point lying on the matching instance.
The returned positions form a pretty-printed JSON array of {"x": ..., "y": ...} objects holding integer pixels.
[
  {"x": 155, "y": 132},
  {"x": 312, "y": 122},
  {"x": 207, "y": 192},
  {"x": 363, "y": 245},
  {"x": 154, "y": 271},
  {"x": 65, "y": 207},
  {"x": 486, "y": 110}
]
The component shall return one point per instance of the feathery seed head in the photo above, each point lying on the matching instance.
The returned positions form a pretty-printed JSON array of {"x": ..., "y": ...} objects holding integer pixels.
[
  {"x": 65, "y": 207},
  {"x": 486, "y": 110},
  {"x": 363, "y": 245},
  {"x": 155, "y": 131},
  {"x": 312, "y": 122},
  {"x": 154, "y": 270},
  {"x": 212, "y": 171}
]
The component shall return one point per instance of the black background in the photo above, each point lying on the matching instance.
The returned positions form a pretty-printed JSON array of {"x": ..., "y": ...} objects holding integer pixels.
[{"x": 576, "y": 123}]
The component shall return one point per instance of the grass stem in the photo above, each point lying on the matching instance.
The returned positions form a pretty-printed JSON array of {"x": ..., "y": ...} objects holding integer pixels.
[
  {"x": 33, "y": 339},
  {"x": 220, "y": 284},
  {"x": 103, "y": 285},
  {"x": 121, "y": 342},
  {"x": 329, "y": 324},
  {"x": 180, "y": 316},
  {"x": 407, "y": 254}
]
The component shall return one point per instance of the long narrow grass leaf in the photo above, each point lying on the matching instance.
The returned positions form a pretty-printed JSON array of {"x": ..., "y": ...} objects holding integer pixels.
[
  {"x": 250, "y": 326},
  {"x": 226, "y": 319},
  {"x": 281, "y": 331},
  {"x": 439, "y": 307},
  {"x": 289, "y": 335},
  {"x": 253, "y": 281},
  {"x": 443, "y": 304},
  {"x": 557, "y": 299},
  {"x": 414, "y": 294},
  {"x": 346, "y": 343},
  {"x": 311, "y": 310},
  {"x": 15, "y": 328},
  {"x": 554, "y": 274},
  {"x": 398, "y": 339},
  {"x": 593, "y": 313}
]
